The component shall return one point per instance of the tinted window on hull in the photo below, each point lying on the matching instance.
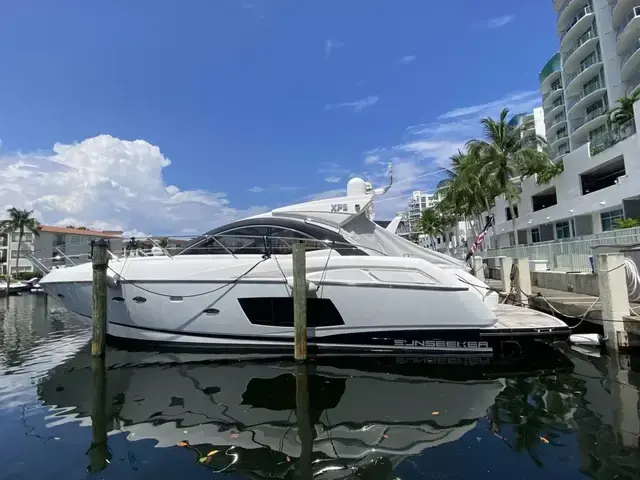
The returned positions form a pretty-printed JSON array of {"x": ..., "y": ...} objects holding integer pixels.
[{"x": 278, "y": 312}]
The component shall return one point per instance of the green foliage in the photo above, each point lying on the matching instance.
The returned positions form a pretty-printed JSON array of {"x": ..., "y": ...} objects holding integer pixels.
[
  {"x": 436, "y": 221},
  {"x": 548, "y": 172},
  {"x": 20, "y": 221},
  {"x": 163, "y": 242},
  {"x": 491, "y": 166},
  {"x": 624, "y": 109},
  {"x": 26, "y": 275},
  {"x": 626, "y": 223}
]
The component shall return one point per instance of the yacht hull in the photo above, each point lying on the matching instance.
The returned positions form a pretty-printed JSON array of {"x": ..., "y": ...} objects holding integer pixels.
[{"x": 374, "y": 304}]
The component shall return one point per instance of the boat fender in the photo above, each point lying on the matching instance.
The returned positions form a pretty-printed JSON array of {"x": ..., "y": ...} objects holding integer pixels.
[
  {"x": 311, "y": 287},
  {"x": 113, "y": 279},
  {"x": 587, "y": 339}
]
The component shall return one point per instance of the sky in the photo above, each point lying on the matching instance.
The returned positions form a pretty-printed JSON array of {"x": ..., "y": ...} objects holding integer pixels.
[{"x": 165, "y": 117}]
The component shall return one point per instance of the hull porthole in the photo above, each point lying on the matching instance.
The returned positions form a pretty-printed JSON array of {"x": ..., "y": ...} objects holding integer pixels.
[{"x": 211, "y": 311}]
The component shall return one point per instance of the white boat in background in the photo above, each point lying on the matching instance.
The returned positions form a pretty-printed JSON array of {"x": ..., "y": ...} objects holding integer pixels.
[
  {"x": 15, "y": 288},
  {"x": 369, "y": 289}
]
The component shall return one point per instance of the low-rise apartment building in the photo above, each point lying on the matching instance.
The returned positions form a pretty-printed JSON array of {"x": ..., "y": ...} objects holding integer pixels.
[{"x": 59, "y": 246}]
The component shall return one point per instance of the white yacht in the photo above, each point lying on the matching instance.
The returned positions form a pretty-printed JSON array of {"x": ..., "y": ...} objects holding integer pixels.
[{"x": 369, "y": 289}]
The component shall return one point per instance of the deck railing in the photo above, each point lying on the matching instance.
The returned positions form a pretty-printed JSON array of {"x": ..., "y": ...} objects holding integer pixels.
[{"x": 570, "y": 255}]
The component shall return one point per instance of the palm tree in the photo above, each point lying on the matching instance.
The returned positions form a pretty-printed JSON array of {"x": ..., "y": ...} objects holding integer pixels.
[
  {"x": 465, "y": 192},
  {"x": 19, "y": 220},
  {"x": 163, "y": 242},
  {"x": 623, "y": 112},
  {"x": 505, "y": 154},
  {"x": 434, "y": 222}
]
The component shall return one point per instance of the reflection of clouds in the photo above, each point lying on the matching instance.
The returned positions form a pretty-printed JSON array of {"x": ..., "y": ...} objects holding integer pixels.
[{"x": 35, "y": 356}]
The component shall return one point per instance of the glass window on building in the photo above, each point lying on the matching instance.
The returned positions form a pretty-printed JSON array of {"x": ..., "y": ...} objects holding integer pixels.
[
  {"x": 535, "y": 235},
  {"x": 563, "y": 230},
  {"x": 598, "y": 133},
  {"x": 608, "y": 219},
  {"x": 26, "y": 237}
]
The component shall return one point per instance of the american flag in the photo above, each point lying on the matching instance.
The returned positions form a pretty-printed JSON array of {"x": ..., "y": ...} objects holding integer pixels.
[{"x": 479, "y": 239}]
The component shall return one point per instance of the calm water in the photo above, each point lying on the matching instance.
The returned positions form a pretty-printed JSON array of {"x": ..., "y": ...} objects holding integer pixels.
[{"x": 177, "y": 416}]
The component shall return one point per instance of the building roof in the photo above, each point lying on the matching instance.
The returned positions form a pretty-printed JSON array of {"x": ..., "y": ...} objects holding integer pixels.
[{"x": 79, "y": 231}]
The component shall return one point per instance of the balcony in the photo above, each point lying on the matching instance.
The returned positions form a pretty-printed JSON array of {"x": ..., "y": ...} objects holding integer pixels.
[
  {"x": 619, "y": 11},
  {"x": 549, "y": 73},
  {"x": 554, "y": 109},
  {"x": 577, "y": 26},
  {"x": 581, "y": 127},
  {"x": 557, "y": 138},
  {"x": 561, "y": 151},
  {"x": 583, "y": 47},
  {"x": 631, "y": 61},
  {"x": 556, "y": 125},
  {"x": 616, "y": 135},
  {"x": 586, "y": 71},
  {"x": 568, "y": 10},
  {"x": 633, "y": 85},
  {"x": 550, "y": 97},
  {"x": 588, "y": 96},
  {"x": 629, "y": 30}
]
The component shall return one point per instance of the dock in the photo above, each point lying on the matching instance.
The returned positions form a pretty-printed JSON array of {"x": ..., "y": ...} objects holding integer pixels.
[{"x": 571, "y": 305}]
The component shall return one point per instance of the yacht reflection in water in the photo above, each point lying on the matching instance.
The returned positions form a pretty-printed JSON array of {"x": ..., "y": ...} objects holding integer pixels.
[{"x": 363, "y": 414}]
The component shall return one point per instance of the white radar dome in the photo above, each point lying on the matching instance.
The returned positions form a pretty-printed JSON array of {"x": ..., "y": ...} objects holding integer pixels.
[{"x": 356, "y": 187}]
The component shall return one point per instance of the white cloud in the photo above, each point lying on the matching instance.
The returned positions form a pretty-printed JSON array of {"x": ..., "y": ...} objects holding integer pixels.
[
  {"x": 406, "y": 59},
  {"x": 332, "y": 179},
  {"x": 329, "y": 46},
  {"x": 338, "y": 192},
  {"x": 108, "y": 183},
  {"x": 498, "y": 22},
  {"x": 357, "y": 105},
  {"x": 518, "y": 102},
  {"x": 371, "y": 159},
  {"x": 273, "y": 188},
  {"x": 332, "y": 169}
]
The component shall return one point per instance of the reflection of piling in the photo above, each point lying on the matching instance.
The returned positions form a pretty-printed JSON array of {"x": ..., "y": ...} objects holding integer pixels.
[
  {"x": 305, "y": 428},
  {"x": 100, "y": 260},
  {"x": 300, "y": 300},
  {"x": 8, "y": 282},
  {"x": 99, "y": 455}
]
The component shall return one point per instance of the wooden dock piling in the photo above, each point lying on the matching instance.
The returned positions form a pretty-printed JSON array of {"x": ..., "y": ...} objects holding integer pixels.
[
  {"x": 300, "y": 301},
  {"x": 100, "y": 262}
]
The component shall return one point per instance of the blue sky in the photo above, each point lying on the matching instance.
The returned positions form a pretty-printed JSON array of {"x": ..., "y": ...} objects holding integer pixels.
[{"x": 255, "y": 103}]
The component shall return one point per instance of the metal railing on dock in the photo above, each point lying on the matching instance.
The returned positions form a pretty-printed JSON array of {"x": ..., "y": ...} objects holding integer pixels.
[{"x": 569, "y": 255}]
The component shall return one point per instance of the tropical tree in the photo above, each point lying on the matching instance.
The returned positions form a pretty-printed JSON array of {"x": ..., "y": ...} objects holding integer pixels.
[
  {"x": 20, "y": 221},
  {"x": 505, "y": 154},
  {"x": 623, "y": 112},
  {"x": 434, "y": 222},
  {"x": 465, "y": 193},
  {"x": 163, "y": 242}
]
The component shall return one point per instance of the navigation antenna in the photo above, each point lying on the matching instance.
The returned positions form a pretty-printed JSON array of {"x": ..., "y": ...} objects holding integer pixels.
[{"x": 383, "y": 190}]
